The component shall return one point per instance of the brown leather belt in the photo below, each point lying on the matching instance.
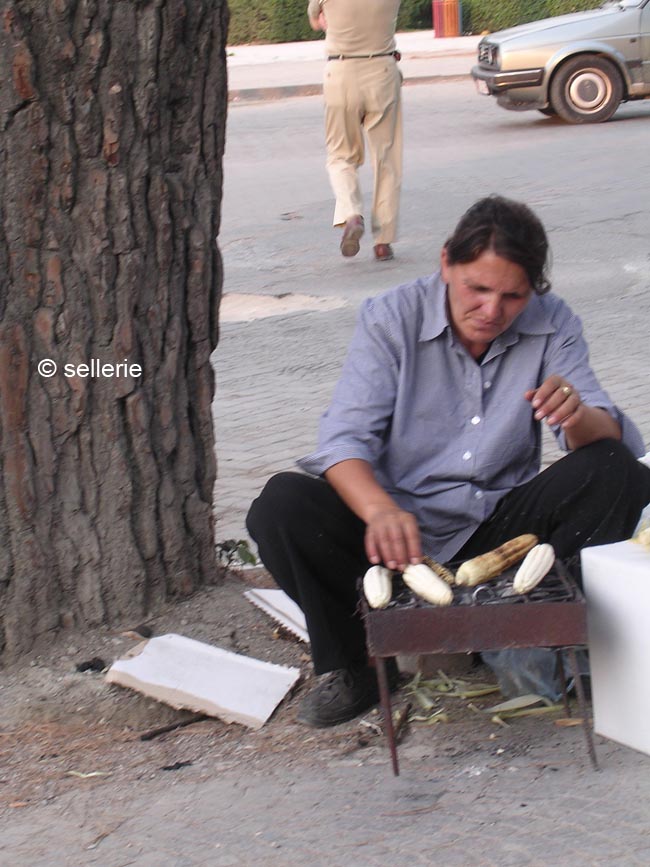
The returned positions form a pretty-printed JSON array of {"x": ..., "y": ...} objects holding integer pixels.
[{"x": 394, "y": 54}]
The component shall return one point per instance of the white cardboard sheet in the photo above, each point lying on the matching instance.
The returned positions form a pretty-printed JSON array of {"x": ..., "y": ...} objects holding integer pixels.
[
  {"x": 282, "y": 608},
  {"x": 189, "y": 674}
]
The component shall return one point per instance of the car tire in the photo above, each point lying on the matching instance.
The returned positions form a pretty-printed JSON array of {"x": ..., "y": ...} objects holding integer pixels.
[
  {"x": 548, "y": 111},
  {"x": 586, "y": 89}
]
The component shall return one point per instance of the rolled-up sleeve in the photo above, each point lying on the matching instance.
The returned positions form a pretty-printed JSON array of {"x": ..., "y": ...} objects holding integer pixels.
[
  {"x": 568, "y": 356},
  {"x": 356, "y": 422},
  {"x": 314, "y": 8}
]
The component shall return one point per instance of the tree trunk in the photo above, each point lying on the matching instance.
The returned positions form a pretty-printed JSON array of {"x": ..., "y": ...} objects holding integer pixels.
[{"x": 112, "y": 119}]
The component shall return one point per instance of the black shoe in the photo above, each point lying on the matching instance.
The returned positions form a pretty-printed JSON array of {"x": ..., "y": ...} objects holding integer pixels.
[{"x": 344, "y": 694}]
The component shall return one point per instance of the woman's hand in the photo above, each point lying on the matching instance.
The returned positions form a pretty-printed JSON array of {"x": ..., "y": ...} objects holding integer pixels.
[
  {"x": 558, "y": 402},
  {"x": 392, "y": 537},
  {"x": 392, "y": 534}
]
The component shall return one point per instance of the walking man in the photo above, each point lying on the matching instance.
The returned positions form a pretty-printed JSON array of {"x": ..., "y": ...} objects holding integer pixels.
[{"x": 362, "y": 94}]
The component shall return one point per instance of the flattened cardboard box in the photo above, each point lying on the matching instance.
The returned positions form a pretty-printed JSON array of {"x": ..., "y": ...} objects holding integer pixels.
[
  {"x": 192, "y": 675},
  {"x": 281, "y": 608}
]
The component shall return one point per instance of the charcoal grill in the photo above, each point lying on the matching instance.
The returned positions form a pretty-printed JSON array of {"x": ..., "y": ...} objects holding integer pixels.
[{"x": 488, "y": 617}]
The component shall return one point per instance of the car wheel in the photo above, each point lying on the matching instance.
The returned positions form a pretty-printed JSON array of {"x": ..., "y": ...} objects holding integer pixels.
[
  {"x": 548, "y": 111},
  {"x": 586, "y": 89}
]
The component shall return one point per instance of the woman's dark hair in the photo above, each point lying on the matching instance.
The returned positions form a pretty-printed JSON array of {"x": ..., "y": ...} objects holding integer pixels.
[{"x": 511, "y": 230}]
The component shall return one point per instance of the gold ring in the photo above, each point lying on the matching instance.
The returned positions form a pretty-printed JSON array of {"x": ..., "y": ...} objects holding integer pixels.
[{"x": 566, "y": 390}]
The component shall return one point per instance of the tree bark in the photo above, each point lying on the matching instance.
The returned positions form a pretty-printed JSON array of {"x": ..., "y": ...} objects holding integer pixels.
[{"x": 112, "y": 124}]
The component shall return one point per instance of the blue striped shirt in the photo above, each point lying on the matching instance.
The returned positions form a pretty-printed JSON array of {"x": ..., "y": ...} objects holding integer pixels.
[{"x": 447, "y": 436}]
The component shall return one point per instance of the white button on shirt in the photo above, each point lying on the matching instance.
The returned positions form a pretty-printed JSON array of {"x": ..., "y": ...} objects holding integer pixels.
[{"x": 476, "y": 419}]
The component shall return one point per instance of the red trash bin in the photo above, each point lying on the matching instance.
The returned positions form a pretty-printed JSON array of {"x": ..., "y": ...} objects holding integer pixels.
[{"x": 446, "y": 18}]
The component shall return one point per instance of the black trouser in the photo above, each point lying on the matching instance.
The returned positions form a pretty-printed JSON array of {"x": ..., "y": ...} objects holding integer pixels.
[{"x": 313, "y": 545}]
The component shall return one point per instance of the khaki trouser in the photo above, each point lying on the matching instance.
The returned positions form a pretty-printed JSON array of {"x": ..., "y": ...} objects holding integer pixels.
[{"x": 364, "y": 95}]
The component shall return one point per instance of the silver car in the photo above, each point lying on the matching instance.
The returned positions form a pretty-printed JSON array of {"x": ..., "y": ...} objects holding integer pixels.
[{"x": 579, "y": 66}]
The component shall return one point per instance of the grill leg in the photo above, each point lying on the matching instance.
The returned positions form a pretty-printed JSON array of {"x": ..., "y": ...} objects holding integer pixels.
[
  {"x": 384, "y": 697},
  {"x": 565, "y": 697},
  {"x": 583, "y": 706}
]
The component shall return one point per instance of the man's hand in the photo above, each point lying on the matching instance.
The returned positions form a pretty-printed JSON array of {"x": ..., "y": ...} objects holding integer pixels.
[
  {"x": 392, "y": 537},
  {"x": 319, "y": 22}
]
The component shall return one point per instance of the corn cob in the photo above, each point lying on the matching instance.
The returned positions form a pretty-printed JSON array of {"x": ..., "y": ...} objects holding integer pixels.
[
  {"x": 425, "y": 583},
  {"x": 378, "y": 586},
  {"x": 487, "y": 566},
  {"x": 444, "y": 573},
  {"x": 643, "y": 537},
  {"x": 537, "y": 563}
]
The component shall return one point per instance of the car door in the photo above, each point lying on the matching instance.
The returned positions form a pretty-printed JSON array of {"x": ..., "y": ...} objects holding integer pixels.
[{"x": 645, "y": 41}]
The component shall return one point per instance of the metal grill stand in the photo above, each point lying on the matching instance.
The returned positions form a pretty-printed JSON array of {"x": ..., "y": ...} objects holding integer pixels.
[{"x": 489, "y": 617}]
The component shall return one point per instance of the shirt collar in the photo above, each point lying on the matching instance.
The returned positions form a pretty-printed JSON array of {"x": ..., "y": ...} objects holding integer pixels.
[
  {"x": 434, "y": 317},
  {"x": 533, "y": 319}
]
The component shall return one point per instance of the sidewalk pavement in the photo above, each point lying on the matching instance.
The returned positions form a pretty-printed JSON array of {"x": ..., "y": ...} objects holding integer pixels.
[{"x": 260, "y": 72}]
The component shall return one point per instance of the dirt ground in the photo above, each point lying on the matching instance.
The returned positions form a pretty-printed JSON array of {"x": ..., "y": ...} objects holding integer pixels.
[{"x": 63, "y": 729}]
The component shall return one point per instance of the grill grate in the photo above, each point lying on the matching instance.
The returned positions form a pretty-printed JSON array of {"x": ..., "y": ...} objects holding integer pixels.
[{"x": 557, "y": 586}]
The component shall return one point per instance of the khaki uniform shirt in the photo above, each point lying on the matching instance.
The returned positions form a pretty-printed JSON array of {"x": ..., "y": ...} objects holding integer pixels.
[{"x": 358, "y": 26}]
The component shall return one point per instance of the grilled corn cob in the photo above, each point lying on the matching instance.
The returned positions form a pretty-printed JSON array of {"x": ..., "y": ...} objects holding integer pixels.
[
  {"x": 537, "y": 563},
  {"x": 425, "y": 583},
  {"x": 378, "y": 586},
  {"x": 487, "y": 566},
  {"x": 446, "y": 574}
]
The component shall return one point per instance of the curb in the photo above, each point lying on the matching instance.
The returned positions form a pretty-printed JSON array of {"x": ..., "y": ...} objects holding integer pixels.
[
  {"x": 259, "y": 94},
  {"x": 262, "y": 94}
]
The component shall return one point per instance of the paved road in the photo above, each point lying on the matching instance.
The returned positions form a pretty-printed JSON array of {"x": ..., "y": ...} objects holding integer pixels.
[
  {"x": 532, "y": 809},
  {"x": 591, "y": 186}
]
